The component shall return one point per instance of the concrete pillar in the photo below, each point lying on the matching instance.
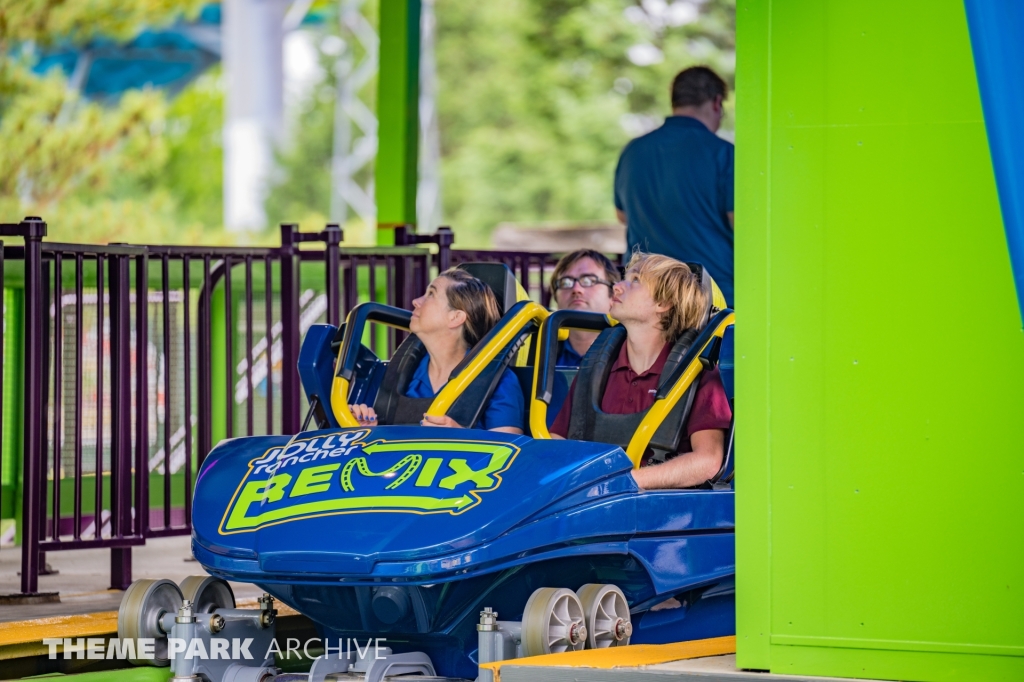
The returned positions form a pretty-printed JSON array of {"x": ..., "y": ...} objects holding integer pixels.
[{"x": 253, "y": 36}]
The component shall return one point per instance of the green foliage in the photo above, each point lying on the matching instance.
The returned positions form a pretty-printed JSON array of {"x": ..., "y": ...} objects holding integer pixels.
[
  {"x": 46, "y": 21},
  {"x": 536, "y": 98},
  {"x": 137, "y": 170},
  {"x": 55, "y": 144},
  {"x": 195, "y": 160}
]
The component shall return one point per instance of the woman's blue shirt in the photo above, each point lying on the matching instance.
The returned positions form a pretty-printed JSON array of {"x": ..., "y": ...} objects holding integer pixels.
[{"x": 506, "y": 406}]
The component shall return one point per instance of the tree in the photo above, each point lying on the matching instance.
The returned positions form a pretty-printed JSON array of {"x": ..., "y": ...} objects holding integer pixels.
[
  {"x": 95, "y": 172},
  {"x": 535, "y": 100}
]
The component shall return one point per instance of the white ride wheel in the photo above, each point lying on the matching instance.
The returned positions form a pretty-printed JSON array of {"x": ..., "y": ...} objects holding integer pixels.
[
  {"x": 607, "y": 615},
  {"x": 207, "y": 593},
  {"x": 142, "y": 606},
  {"x": 553, "y": 622}
]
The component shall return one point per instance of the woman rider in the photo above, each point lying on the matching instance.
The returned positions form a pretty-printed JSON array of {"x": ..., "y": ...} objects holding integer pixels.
[{"x": 456, "y": 311}]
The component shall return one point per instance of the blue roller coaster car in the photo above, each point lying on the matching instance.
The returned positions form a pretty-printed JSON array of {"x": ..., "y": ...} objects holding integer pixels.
[{"x": 406, "y": 533}]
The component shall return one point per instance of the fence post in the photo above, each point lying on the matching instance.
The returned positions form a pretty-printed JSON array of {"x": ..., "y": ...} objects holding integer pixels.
[
  {"x": 405, "y": 236},
  {"x": 444, "y": 248},
  {"x": 141, "y": 526},
  {"x": 290, "y": 389},
  {"x": 120, "y": 420},
  {"x": 332, "y": 236},
  {"x": 33, "y": 229}
]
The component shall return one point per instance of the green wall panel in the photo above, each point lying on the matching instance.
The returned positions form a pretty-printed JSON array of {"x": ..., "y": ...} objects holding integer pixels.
[{"x": 880, "y": 506}]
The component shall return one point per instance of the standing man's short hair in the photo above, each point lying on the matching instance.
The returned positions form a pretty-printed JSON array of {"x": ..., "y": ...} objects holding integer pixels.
[{"x": 696, "y": 85}]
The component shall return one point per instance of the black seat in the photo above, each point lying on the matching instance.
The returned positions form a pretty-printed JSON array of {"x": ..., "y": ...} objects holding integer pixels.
[
  {"x": 393, "y": 406},
  {"x": 589, "y": 422},
  {"x": 727, "y": 364}
]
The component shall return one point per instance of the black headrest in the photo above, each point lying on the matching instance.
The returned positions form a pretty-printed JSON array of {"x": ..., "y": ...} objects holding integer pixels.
[
  {"x": 500, "y": 279},
  {"x": 707, "y": 283}
]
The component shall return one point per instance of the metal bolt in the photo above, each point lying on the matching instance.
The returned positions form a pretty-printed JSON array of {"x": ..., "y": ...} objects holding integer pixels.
[
  {"x": 184, "y": 613},
  {"x": 577, "y": 633},
  {"x": 623, "y": 629},
  {"x": 268, "y": 614},
  {"x": 217, "y": 622},
  {"x": 488, "y": 620}
]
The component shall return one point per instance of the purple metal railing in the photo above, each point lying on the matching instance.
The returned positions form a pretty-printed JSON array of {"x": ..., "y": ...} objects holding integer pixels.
[
  {"x": 137, "y": 359},
  {"x": 120, "y": 344}
]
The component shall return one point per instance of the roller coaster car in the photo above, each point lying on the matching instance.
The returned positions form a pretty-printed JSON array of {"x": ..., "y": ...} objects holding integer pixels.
[{"x": 420, "y": 535}]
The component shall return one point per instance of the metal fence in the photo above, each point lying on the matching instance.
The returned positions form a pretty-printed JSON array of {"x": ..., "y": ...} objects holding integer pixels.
[
  {"x": 131, "y": 362},
  {"x": 534, "y": 269},
  {"x": 125, "y": 364}
]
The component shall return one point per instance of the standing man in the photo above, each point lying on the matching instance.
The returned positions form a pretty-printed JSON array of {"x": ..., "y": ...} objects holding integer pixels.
[
  {"x": 582, "y": 280},
  {"x": 674, "y": 185}
]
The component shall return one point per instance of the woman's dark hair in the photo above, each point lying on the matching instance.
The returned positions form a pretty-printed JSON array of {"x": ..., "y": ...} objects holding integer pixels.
[{"x": 476, "y": 299}]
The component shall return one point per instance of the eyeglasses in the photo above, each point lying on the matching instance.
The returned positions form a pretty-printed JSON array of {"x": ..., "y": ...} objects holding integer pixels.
[{"x": 586, "y": 281}]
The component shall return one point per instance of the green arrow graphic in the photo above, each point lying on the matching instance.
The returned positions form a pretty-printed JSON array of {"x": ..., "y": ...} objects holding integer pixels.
[{"x": 370, "y": 503}]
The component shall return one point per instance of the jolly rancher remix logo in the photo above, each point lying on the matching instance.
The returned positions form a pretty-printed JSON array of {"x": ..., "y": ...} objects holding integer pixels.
[{"x": 339, "y": 474}]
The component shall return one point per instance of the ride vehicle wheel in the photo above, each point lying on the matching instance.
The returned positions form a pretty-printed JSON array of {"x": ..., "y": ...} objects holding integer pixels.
[
  {"x": 138, "y": 617},
  {"x": 607, "y": 615},
  {"x": 553, "y": 622},
  {"x": 207, "y": 593}
]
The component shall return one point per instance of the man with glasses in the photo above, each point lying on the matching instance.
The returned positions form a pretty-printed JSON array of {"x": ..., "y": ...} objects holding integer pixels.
[{"x": 582, "y": 280}]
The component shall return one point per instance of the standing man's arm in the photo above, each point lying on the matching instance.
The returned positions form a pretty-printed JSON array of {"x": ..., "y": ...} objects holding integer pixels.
[
  {"x": 732, "y": 219},
  {"x": 618, "y": 190}
]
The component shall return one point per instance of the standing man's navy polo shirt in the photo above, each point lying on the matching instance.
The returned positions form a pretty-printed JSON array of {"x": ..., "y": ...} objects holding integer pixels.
[
  {"x": 505, "y": 408},
  {"x": 675, "y": 185}
]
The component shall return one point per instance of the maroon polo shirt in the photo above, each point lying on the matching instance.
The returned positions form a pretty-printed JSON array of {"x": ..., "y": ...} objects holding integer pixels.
[{"x": 628, "y": 392}]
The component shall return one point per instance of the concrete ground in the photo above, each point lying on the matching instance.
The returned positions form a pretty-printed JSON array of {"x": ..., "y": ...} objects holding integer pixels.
[
  {"x": 705, "y": 669},
  {"x": 83, "y": 580}
]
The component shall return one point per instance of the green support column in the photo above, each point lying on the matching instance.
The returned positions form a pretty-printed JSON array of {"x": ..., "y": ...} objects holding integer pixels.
[
  {"x": 753, "y": 500},
  {"x": 398, "y": 116},
  {"x": 880, "y": 356}
]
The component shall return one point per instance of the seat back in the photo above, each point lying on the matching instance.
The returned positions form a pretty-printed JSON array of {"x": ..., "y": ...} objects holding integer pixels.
[
  {"x": 588, "y": 421},
  {"x": 502, "y": 282},
  {"x": 715, "y": 297},
  {"x": 390, "y": 401},
  {"x": 392, "y": 405},
  {"x": 727, "y": 367},
  {"x": 560, "y": 390}
]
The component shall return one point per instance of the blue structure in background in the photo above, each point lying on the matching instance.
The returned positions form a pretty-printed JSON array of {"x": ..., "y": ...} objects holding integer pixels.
[
  {"x": 168, "y": 58},
  {"x": 996, "y": 28}
]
